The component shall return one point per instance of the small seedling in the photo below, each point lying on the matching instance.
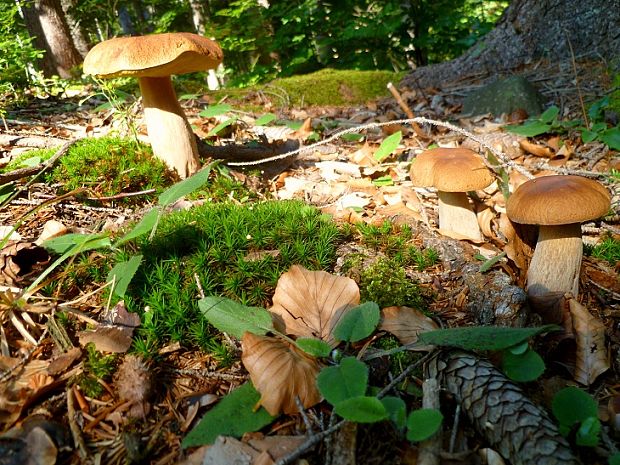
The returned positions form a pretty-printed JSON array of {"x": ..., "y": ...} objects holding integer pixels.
[{"x": 577, "y": 413}]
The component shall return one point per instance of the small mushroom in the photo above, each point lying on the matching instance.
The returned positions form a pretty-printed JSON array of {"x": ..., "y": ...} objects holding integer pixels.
[
  {"x": 153, "y": 59},
  {"x": 454, "y": 172},
  {"x": 558, "y": 205}
]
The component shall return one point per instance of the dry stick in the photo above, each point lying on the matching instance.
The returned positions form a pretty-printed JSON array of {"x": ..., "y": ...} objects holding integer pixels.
[
  {"x": 505, "y": 161},
  {"x": 78, "y": 439},
  {"x": 418, "y": 130},
  {"x": 315, "y": 439},
  {"x": 583, "y": 107},
  {"x": 428, "y": 452},
  {"x": 122, "y": 195}
]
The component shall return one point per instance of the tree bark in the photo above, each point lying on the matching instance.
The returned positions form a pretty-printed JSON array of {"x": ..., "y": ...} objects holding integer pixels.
[
  {"x": 46, "y": 22},
  {"x": 75, "y": 28},
  {"x": 533, "y": 29}
]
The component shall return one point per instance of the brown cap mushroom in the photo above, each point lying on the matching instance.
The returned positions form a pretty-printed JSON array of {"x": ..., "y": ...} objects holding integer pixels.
[
  {"x": 558, "y": 204},
  {"x": 453, "y": 171},
  {"x": 152, "y": 59}
]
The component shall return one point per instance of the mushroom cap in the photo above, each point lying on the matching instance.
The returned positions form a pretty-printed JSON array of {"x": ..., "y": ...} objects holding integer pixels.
[
  {"x": 156, "y": 55},
  {"x": 450, "y": 170},
  {"x": 557, "y": 200}
]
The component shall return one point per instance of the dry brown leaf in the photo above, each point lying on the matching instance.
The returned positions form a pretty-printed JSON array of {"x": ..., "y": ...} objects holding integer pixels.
[
  {"x": 17, "y": 259},
  {"x": 304, "y": 131},
  {"x": 591, "y": 357},
  {"x": 280, "y": 372},
  {"x": 364, "y": 156},
  {"x": 256, "y": 255},
  {"x": 134, "y": 383},
  {"x": 116, "y": 331},
  {"x": 485, "y": 217},
  {"x": 51, "y": 229},
  {"x": 536, "y": 149},
  {"x": 406, "y": 324},
  {"x": 310, "y": 303}
]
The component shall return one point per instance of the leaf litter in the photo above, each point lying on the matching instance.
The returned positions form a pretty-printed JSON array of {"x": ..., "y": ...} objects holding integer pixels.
[{"x": 34, "y": 374}]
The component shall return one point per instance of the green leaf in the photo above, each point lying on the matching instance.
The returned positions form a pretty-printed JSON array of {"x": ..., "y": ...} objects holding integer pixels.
[
  {"x": 358, "y": 323},
  {"x": 74, "y": 243},
  {"x": 529, "y": 128},
  {"x": 520, "y": 348},
  {"x": 224, "y": 124},
  {"x": 522, "y": 367},
  {"x": 383, "y": 181},
  {"x": 123, "y": 273},
  {"x": 614, "y": 459},
  {"x": 483, "y": 337},
  {"x": 362, "y": 409},
  {"x": 588, "y": 432},
  {"x": 423, "y": 423},
  {"x": 549, "y": 114},
  {"x": 234, "y": 318},
  {"x": 294, "y": 125},
  {"x": 214, "y": 110},
  {"x": 572, "y": 405},
  {"x": 396, "y": 410},
  {"x": 611, "y": 138},
  {"x": 598, "y": 127},
  {"x": 488, "y": 264},
  {"x": 144, "y": 226},
  {"x": 344, "y": 381},
  {"x": 588, "y": 136},
  {"x": 265, "y": 119},
  {"x": 185, "y": 187},
  {"x": 234, "y": 416},
  {"x": 314, "y": 347},
  {"x": 352, "y": 137},
  {"x": 388, "y": 145}
]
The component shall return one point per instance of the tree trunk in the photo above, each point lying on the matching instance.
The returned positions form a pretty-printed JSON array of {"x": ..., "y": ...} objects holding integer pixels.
[
  {"x": 75, "y": 28},
  {"x": 46, "y": 22},
  {"x": 198, "y": 16},
  {"x": 533, "y": 29}
]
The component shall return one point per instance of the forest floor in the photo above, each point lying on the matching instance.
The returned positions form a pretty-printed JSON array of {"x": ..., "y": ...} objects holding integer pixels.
[{"x": 45, "y": 413}]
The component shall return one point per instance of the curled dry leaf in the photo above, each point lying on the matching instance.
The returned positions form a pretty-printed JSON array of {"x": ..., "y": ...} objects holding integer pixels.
[
  {"x": 17, "y": 259},
  {"x": 310, "y": 303},
  {"x": 116, "y": 331},
  {"x": 406, "y": 324},
  {"x": 590, "y": 336},
  {"x": 280, "y": 372}
]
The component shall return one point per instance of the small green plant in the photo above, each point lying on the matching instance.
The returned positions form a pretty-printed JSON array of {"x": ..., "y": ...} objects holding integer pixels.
[
  {"x": 608, "y": 250},
  {"x": 96, "y": 367},
  {"x": 577, "y": 414},
  {"x": 387, "y": 283},
  {"x": 595, "y": 129}
]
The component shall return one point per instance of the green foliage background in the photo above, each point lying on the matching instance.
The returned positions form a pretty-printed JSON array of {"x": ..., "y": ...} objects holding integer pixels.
[{"x": 264, "y": 39}]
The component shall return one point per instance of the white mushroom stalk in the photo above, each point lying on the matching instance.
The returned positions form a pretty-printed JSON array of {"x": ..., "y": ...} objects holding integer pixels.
[
  {"x": 456, "y": 215},
  {"x": 171, "y": 136}
]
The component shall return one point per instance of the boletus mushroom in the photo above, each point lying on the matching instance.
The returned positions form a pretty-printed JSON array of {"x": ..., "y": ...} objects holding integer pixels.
[
  {"x": 454, "y": 172},
  {"x": 558, "y": 205},
  {"x": 153, "y": 59}
]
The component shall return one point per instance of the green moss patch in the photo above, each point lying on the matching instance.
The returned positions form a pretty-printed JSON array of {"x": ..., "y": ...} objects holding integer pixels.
[{"x": 234, "y": 251}]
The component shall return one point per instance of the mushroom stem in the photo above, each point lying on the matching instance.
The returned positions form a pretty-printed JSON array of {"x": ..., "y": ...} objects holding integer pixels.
[
  {"x": 556, "y": 262},
  {"x": 171, "y": 136},
  {"x": 456, "y": 215}
]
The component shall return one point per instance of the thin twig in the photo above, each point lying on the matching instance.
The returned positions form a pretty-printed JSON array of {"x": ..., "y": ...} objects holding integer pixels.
[
  {"x": 304, "y": 416},
  {"x": 78, "y": 439},
  {"x": 579, "y": 94},
  {"x": 122, "y": 195},
  {"x": 210, "y": 374}
]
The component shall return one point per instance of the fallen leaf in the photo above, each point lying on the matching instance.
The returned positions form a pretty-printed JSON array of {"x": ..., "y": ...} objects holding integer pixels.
[
  {"x": 591, "y": 357},
  {"x": 280, "y": 372},
  {"x": 256, "y": 255},
  {"x": 363, "y": 156},
  {"x": 134, "y": 383},
  {"x": 485, "y": 217},
  {"x": 51, "y": 229},
  {"x": 310, "y": 303},
  {"x": 536, "y": 149},
  {"x": 64, "y": 361},
  {"x": 353, "y": 200},
  {"x": 406, "y": 324},
  {"x": 17, "y": 259},
  {"x": 304, "y": 131},
  {"x": 115, "y": 332}
]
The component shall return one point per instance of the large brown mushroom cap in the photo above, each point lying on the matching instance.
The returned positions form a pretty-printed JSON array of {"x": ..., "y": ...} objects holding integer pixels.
[
  {"x": 450, "y": 170},
  {"x": 156, "y": 55},
  {"x": 556, "y": 200}
]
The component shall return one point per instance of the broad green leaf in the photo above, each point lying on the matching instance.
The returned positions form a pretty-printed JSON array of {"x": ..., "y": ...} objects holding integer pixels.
[
  {"x": 214, "y": 110},
  {"x": 596, "y": 109},
  {"x": 423, "y": 423},
  {"x": 265, "y": 119},
  {"x": 358, "y": 323},
  {"x": 6, "y": 191},
  {"x": 522, "y": 367},
  {"x": 144, "y": 226},
  {"x": 352, "y": 137},
  {"x": 75, "y": 242},
  {"x": 611, "y": 138},
  {"x": 614, "y": 459},
  {"x": 234, "y": 415},
  {"x": 598, "y": 127},
  {"x": 224, "y": 124},
  {"x": 388, "y": 145},
  {"x": 344, "y": 381},
  {"x": 396, "y": 410},
  {"x": 529, "y": 128},
  {"x": 519, "y": 349},
  {"x": 185, "y": 187},
  {"x": 361, "y": 409},
  {"x": 588, "y": 136},
  {"x": 32, "y": 161},
  {"x": 483, "y": 337},
  {"x": 588, "y": 432},
  {"x": 549, "y": 114},
  {"x": 572, "y": 405},
  {"x": 314, "y": 347},
  {"x": 234, "y": 318},
  {"x": 189, "y": 97},
  {"x": 123, "y": 273},
  {"x": 294, "y": 125}
]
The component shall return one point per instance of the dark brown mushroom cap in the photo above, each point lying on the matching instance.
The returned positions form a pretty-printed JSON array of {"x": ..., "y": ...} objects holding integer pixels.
[
  {"x": 156, "y": 55},
  {"x": 557, "y": 200},
  {"x": 450, "y": 170}
]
